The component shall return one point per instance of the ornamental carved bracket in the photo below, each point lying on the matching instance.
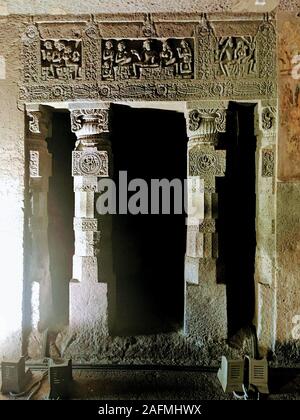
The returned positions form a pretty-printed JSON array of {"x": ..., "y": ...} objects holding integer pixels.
[
  {"x": 268, "y": 118},
  {"x": 218, "y": 116},
  {"x": 97, "y": 118},
  {"x": 161, "y": 59}
]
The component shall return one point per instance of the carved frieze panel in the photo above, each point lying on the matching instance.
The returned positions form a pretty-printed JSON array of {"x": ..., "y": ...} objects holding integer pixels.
[
  {"x": 61, "y": 59},
  {"x": 90, "y": 162},
  {"x": 207, "y": 64},
  {"x": 235, "y": 57},
  {"x": 147, "y": 59}
]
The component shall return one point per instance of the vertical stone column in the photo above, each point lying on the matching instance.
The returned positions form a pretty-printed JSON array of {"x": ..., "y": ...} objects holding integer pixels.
[
  {"x": 265, "y": 272},
  {"x": 92, "y": 265},
  {"x": 204, "y": 297},
  {"x": 39, "y": 170}
]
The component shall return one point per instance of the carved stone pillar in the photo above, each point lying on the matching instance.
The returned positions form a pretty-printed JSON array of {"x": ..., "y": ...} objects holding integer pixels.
[
  {"x": 39, "y": 170},
  {"x": 92, "y": 265},
  {"x": 265, "y": 270},
  {"x": 204, "y": 123}
]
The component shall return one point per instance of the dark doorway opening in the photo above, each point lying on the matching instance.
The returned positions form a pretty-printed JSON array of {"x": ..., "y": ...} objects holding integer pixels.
[
  {"x": 237, "y": 212},
  {"x": 61, "y": 213},
  {"x": 148, "y": 250}
]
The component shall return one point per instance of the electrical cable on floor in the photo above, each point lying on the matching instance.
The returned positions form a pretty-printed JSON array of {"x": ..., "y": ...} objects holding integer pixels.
[{"x": 33, "y": 388}]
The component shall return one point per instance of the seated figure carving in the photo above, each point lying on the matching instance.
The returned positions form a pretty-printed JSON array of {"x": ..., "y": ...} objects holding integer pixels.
[
  {"x": 123, "y": 60},
  {"x": 236, "y": 56},
  {"x": 146, "y": 59}
]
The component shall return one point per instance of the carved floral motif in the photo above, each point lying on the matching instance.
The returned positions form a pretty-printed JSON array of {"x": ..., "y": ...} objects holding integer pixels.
[
  {"x": 206, "y": 162},
  {"x": 90, "y": 162}
]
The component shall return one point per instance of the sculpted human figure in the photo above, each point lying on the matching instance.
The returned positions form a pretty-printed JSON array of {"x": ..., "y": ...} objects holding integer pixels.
[
  {"x": 226, "y": 57},
  {"x": 123, "y": 57},
  {"x": 166, "y": 55},
  {"x": 185, "y": 58},
  {"x": 47, "y": 55},
  {"x": 244, "y": 56},
  {"x": 149, "y": 57},
  {"x": 108, "y": 60}
]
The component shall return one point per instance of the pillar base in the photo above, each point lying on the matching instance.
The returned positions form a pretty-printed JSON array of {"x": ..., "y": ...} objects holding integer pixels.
[{"x": 206, "y": 313}]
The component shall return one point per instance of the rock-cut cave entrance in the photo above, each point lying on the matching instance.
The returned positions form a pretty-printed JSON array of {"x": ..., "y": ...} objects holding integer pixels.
[
  {"x": 237, "y": 214},
  {"x": 60, "y": 215},
  {"x": 148, "y": 250}
]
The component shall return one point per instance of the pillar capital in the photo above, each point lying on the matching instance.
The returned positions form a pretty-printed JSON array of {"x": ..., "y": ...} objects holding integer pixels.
[
  {"x": 205, "y": 121},
  {"x": 89, "y": 121}
]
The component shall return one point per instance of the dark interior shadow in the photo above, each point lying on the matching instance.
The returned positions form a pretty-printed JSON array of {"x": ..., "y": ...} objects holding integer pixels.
[
  {"x": 236, "y": 220},
  {"x": 61, "y": 213},
  {"x": 284, "y": 380},
  {"x": 148, "y": 250}
]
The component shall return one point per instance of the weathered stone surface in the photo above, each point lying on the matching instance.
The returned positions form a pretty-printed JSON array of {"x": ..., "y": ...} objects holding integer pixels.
[
  {"x": 288, "y": 276},
  {"x": 12, "y": 161},
  {"x": 143, "y": 6},
  {"x": 289, "y": 129},
  {"x": 277, "y": 273}
]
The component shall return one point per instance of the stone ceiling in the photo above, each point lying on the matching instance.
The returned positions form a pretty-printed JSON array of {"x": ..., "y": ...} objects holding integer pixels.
[{"x": 61, "y": 7}]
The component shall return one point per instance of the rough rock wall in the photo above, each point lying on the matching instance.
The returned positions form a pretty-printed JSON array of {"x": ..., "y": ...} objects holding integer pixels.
[
  {"x": 63, "y": 7},
  {"x": 53, "y": 7},
  {"x": 288, "y": 191},
  {"x": 11, "y": 190}
]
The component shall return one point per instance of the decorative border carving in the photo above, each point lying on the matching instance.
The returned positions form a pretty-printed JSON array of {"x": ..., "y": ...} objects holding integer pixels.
[
  {"x": 268, "y": 118},
  {"x": 90, "y": 162},
  {"x": 85, "y": 224},
  {"x": 268, "y": 163},
  {"x": 34, "y": 164},
  {"x": 206, "y": 85},
  {"x": 180, "y": 91},
  {"x": 92, "y": 52}
]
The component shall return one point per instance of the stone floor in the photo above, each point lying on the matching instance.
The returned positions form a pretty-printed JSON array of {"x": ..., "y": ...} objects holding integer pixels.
[{"x": 161, "y": 385}]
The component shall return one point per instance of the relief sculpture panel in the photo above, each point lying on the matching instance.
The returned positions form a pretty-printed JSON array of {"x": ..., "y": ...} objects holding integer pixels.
[
  {"x": 147, "y": 59},
  {"x": 235, "y": 57},
  {"x": 103, "y": 61},
  {"x": 61, "y": 59}
]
